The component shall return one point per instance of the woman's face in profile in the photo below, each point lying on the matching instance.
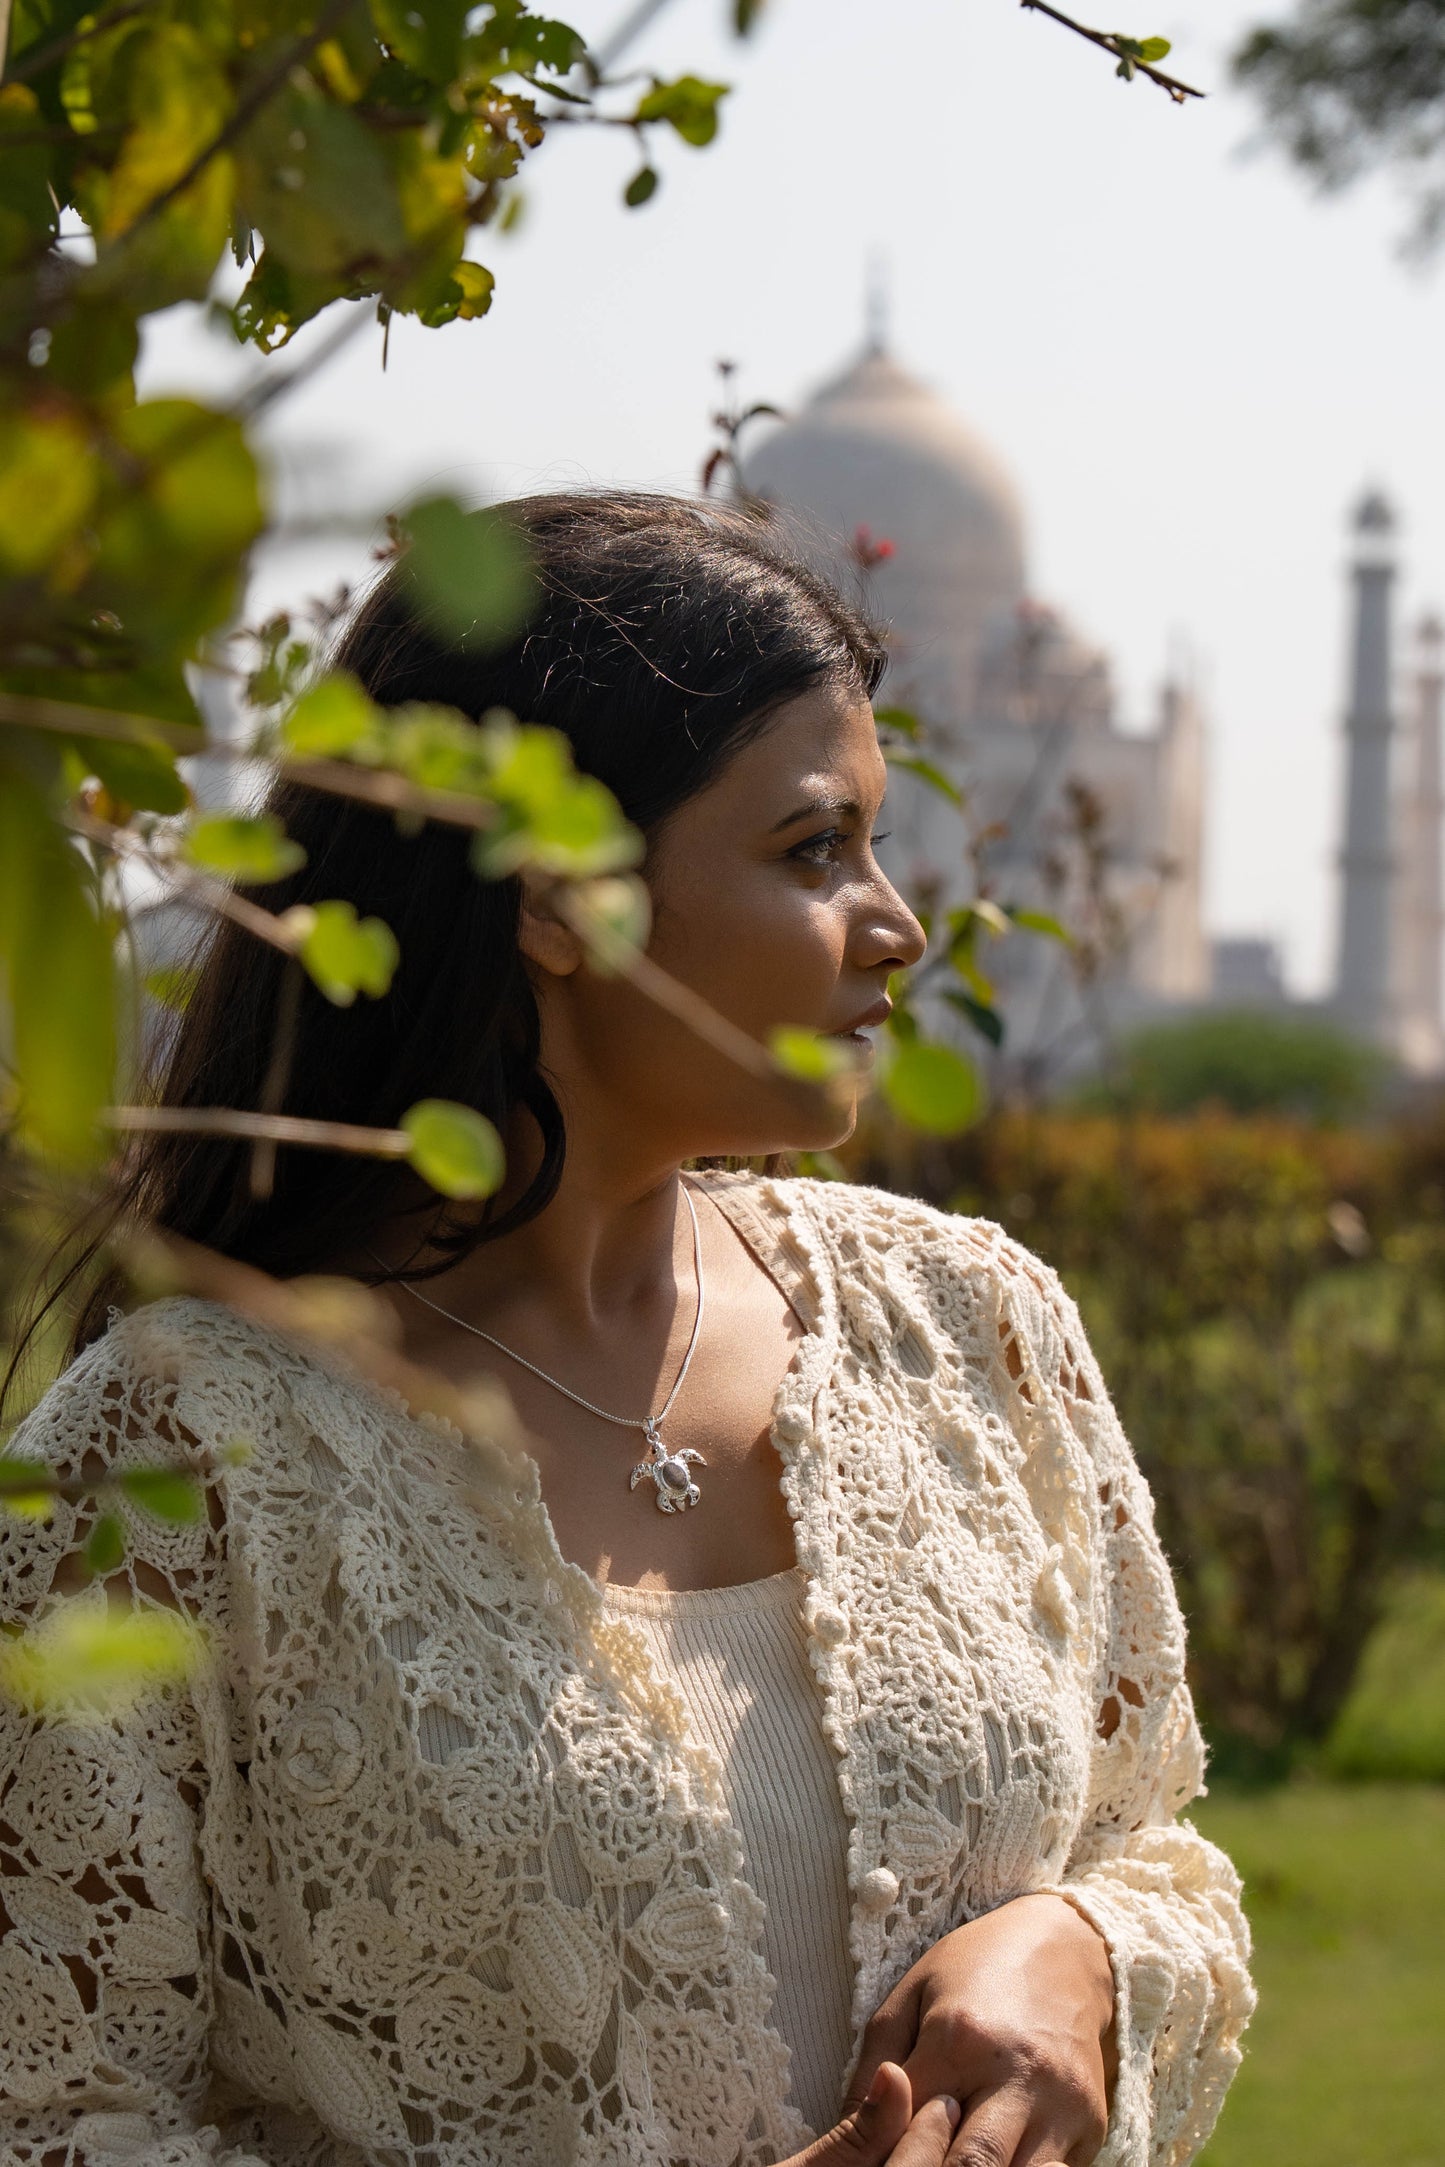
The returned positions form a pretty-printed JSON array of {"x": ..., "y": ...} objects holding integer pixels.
[{"x": 769, "y": 903}]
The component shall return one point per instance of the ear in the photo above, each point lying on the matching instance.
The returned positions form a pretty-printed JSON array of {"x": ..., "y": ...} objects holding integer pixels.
[{"x": 543, "y": 938}]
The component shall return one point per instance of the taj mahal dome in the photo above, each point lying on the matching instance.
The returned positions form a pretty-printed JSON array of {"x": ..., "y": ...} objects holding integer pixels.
[{"x": 881, "y": 485}]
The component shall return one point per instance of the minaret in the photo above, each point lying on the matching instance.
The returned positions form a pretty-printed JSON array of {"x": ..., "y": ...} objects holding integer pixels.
[
  {"x": 1422, "y": 896},
  {"x": 1363, "y": 978}
]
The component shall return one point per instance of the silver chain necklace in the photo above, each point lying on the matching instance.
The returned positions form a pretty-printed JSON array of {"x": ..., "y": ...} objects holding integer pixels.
[{"x": 671, "y": 1479}]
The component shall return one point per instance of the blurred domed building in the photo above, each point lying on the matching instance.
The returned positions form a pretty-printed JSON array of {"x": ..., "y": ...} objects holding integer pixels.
[{"x": 881, "y": 485}]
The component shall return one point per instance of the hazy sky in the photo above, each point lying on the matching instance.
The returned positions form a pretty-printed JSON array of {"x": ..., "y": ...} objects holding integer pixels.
[{"x": 1190, "y": 364}]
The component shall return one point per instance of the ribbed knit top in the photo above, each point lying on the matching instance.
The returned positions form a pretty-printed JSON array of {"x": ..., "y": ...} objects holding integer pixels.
[{"x": 738, "y": 1658}]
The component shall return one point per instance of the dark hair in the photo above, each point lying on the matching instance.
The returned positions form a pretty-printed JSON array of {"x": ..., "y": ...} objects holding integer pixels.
[{"x": 666, "y": 633}]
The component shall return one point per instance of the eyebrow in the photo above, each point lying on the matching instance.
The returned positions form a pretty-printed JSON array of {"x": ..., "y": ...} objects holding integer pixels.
[{"x": 848, "y": 807}]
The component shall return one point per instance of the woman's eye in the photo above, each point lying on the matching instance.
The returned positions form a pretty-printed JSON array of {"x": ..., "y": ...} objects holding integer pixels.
[
  {"x": 824, "y": 849},
  {"x": 820, "y": 849}
]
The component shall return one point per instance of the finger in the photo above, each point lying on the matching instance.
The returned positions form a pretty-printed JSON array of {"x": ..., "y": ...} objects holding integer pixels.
[
  {"x": 993, "y": 2126},
  {"x": 1058, "y": 2142},
  {"x": 891, "y": 2032},
  {"x": 953, "y": 2058},
  {"x": 867, "y": 2136},
  {"x": 927, "y": 2139}
]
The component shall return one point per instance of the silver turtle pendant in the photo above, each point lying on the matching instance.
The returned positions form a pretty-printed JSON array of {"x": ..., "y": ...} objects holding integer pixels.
[{"x": 675, "y": 1487}]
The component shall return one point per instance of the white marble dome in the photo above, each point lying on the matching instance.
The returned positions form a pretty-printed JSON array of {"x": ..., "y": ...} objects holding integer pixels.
[{"x": 877, "y": 450}]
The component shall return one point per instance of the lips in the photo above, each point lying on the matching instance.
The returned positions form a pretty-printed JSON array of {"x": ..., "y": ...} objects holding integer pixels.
[{"x": 868, "y": 1021}]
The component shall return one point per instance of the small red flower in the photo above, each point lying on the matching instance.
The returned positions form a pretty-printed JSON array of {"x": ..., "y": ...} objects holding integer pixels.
[{"x": 868, "y": 552}]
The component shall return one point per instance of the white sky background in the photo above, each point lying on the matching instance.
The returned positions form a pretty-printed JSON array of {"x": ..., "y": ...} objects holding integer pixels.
[{"x": 1190, "y": 364}]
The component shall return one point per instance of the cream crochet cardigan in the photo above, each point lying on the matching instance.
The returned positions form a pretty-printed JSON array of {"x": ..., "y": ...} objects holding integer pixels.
[{"x": 425, "y": 1871}]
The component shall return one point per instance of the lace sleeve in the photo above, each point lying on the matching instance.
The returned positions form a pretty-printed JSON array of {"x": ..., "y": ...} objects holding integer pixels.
[
  {"x": 105, "y": 1975},
  {"x": 1165, "y": 1900}
]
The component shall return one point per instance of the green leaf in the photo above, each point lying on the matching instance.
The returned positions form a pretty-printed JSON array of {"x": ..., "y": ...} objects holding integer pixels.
[
  {"x": 927, "y": 772},
  {"x": 455, "y": 1148},
  {"x": 426, "y": 34},
  {"x": 989, "y": 914},
  {"x": 142, "y": 777},
  {"x": 745, "y": 17},
  {"x": 164, "y": 1492},
  {"x": 552, "y": 818},
  {"x": 93, "y": 349},
  {"x": 807, "y": 1056},
  {"x": 902, "y": 1024},
  {"x": 27, "y": 1488},
  {"x": 581, "y": 832},
  {"x": 48, "y": 480},
  {"x": 105, "y": 1545},
  {"x": 901, "y": 720},
  {"x": 335, "y": 720},
  {"x": 191, "y": 504},
  {"x": 27, "y": 1504},
  {"x": 465, "y": 292},
  {"x": 178, "y": 99},
  {"x": 173, "y": 986},
  {"x": 617, "y": 913},
  {"x": 473, "y": 572},
  {"x": 98, "y": 1661},
  {"x": 1038, "y": 921},
  {"x": 689, "y": 105},
  {"x": 343, "y": 954},
  {"x": 933, "y": 1087},
  {"x": 641, "y": 188},
  {"x": 320, "y": 185},
  {"x": 252, "y": 848},
  {"x": 1155, "y": 49},
  {"x": 56, "y": 954},
  {"x": 986, "y": 1020},
  {"x": 439, "y": 749}
]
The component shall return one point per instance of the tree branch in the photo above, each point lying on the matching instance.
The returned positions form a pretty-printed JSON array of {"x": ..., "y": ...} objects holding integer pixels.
[
  {"x": 210, "y": 893},
  {"x": 70, "y": 718},
  {"x": 1112, "y": 41},
  {"x": 265, "y": 1128},
  {"x": 390, "y": 792}
]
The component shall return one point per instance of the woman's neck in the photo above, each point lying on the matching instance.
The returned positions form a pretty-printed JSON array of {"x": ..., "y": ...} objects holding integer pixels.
[{"x": 611, "y": 1242}]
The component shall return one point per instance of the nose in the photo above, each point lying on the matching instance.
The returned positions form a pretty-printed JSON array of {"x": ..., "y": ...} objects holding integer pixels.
[{"x": 888, "y": 936}]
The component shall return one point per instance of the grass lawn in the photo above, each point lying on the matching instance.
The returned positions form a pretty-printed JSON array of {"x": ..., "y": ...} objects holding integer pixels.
[{"x": 1345, "y": 2061}]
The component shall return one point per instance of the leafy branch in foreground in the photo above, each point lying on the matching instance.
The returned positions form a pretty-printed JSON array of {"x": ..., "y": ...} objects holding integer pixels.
[{"x": 1134, "y": 56}]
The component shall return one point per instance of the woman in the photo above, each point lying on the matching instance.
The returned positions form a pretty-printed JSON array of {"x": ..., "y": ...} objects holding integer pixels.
[{"x": 533, "y": 1824}]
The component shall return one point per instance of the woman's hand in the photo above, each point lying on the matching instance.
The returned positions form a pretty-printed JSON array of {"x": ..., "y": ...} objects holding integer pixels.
[
  {"x": 883, "y": 2128},
  {"x": 1013, "y": 2015}
]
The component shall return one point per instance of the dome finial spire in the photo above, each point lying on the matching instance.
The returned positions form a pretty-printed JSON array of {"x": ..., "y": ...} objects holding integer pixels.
[{"x": 876, "y": 310}]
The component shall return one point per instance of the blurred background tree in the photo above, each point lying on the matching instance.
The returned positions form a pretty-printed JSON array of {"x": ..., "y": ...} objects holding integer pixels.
[
  {"x": 1247, "y": 1061},
  {"x": 1267, "y": 1301},
  {"x": 1349, "y": 86}
]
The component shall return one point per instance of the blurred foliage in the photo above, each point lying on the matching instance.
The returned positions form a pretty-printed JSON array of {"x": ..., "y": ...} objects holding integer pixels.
[
  {"x": 1351, "y": 85},
  {"x": 1393, "y": 1724},
  {"x": 1247, "y": 1061},
  {"x": 1267, "y": 1301}
]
